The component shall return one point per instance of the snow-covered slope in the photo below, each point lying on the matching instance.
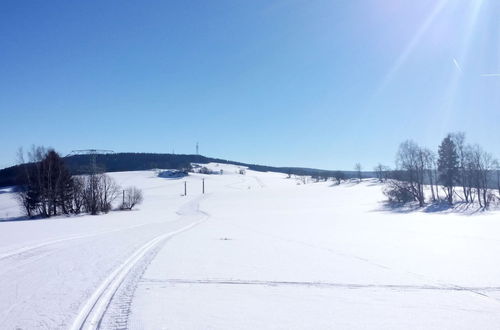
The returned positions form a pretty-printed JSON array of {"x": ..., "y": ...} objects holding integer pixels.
[{"x": 256, "y": 251}]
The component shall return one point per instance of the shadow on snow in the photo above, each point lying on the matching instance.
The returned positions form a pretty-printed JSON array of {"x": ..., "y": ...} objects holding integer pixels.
[{"x": 435, "y": 207}]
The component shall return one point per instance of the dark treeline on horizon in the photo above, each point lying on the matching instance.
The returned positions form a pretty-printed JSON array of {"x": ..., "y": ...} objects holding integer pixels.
[{"x": 117, "y": 162}]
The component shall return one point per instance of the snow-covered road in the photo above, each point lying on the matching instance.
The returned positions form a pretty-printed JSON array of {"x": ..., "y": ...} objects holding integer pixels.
[{"x": 257, "y": 251}]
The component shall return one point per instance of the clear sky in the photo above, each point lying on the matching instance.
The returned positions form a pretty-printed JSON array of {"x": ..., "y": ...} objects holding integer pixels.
[{"x": 289, "y": 83}]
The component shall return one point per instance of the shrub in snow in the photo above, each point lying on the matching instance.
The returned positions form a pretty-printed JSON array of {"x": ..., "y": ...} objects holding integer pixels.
[
  {"x": 339, "y": 176},
  {"x": 173, "y": 174},
  {"x": 132, "y": 196},
  {"x": 399, "y": 192}
]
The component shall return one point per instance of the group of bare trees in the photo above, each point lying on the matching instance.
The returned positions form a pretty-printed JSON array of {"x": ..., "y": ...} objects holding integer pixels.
[
  {"x": 96, "y": 192},
  {"x": 477, "y": 176},
  {"x": 48, "y": 189},
  {"x": 381, "y": 172},
  {"x": 414, "y": 166},
  {"x": 336, "y": 176},
  {"x": 458, "y": 172}
]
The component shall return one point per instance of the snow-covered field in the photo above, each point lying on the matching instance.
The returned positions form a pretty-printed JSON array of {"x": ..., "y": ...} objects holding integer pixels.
[{"x": 256, "y": 251}]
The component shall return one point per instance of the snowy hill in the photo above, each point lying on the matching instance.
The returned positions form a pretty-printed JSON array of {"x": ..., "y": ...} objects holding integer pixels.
[
  {"x": 120, "y": 162},
  {"x": 256, "y": 251}
]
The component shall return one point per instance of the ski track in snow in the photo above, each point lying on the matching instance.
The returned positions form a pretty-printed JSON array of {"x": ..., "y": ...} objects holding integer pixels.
[
  {"x": 437, "y": 284},
  {"x": 106, "y": 299},
  {"x": 92, "y": 314},
  {"x": 30, "y": 248},
  {"x": 23, "y": 263},
  {"x": 317, "y": 284}
]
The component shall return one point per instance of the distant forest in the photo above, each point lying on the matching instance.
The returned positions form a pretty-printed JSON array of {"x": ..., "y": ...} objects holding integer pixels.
[{"x": 117, "y": 162}]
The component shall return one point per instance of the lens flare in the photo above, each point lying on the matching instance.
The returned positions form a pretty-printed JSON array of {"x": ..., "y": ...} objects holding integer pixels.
[{"x": 438, "y": 8}]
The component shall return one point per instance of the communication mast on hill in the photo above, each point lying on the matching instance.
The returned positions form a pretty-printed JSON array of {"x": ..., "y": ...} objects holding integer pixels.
[
  {"x": 197, "y": 148},
  {"x": 93, "y": 156}
]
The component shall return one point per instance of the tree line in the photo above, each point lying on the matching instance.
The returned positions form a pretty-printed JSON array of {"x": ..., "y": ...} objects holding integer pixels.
[
  {"x": 117, "y": 162},
  {"x": 48, "y": 188},
  {"x": 458, "y": 172}
]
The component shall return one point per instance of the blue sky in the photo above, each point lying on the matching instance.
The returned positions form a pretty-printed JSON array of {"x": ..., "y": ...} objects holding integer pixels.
[{"x": 289, "y": 83}]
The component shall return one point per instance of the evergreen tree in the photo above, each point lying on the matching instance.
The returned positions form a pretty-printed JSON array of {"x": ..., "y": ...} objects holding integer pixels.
[{"x": 448, "y": 166}]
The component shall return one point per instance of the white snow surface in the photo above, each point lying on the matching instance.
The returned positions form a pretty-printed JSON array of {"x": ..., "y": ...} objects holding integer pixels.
[{"x": 257, "y": 251}]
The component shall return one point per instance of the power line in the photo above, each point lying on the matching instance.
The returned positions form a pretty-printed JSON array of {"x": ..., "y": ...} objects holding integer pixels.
[{"x": 93, "y": 156}]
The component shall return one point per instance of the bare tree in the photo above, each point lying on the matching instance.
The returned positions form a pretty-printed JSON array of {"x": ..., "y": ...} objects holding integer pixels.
[
  {"x": 415, "y": 166},
  {"x": 339, "y": 176},
  {"x": 22, "y": 192},
  {"x": 108, "y": 191},
  {"x": 99, "y": 192},
  {"x": 381, "y": 172},
  {"x": 469, "y": 174},
  {"x": 78, "y": 194},
  {"x": 497, "y": 171},
  {"x": 29, "y": 194},
  {"x": 91, "y": 194},
  {"x": 482, "y": 164},
  {"x": 358, "y": 168},
  {"x": 463, "y": 176},
  {"x": 132, "y": 197},
  {"x": 430, "y": 175},
  {"x": 412, "y": 161}
]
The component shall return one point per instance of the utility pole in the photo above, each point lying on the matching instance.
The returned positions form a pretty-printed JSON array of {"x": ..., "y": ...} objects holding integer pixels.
[
  {"x": 203, "y": 185},
  {"x": 185, "y": 188}
]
